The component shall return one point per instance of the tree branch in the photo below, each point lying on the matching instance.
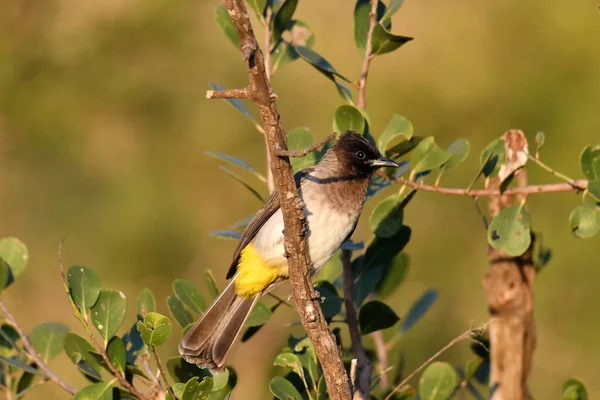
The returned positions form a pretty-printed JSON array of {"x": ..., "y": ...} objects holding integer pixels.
[
  {"x": 305, "y": 298},
  {"x": 362, "y": 84},
  {"x": 364, "y": 367},
  {"x": 243, "y": 93},
  {"x": 509, "y": 293},
  {"x": 302, "y": 153},
  {"x": 469, "y": 334},
  {"x": 33, "y": 354},
  {"x": 162, "y": 373}
]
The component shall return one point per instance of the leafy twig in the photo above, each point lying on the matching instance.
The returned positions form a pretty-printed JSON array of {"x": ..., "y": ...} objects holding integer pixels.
[
  {"x": 469, "y": 334},
  {"x": 82, "y": 318},
  {"x": 362, "y": 84},
  {"x": 33, "y": 354},
  {"x": 570, "y": 181},
  {"x": 162, "y": 372}
]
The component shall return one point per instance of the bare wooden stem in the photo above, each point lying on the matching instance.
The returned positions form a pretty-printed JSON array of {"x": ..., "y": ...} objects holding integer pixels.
[
  {"x": 364, "y": 367},
  {"x": 382, "y": 357},
  {"x": 509, "y": 293},
  {"x": 243, "y": 93},
  {"x": 162, "y": 373},
  {"x": 362, "y": 83},
  {"x": 303, "y": 152},
  {"x": 305, "y": 297}
]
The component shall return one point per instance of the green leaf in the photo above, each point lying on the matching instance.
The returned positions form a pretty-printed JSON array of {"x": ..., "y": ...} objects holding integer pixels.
[
  {"x": 258, "y": 6},
  {"x": 78, "y": 350},
  {"x": 189, "y": 295},
  {"x": 387, "y": 216},
  {"x": 393, "y": 275},
  {"x": 195, "y": 390},
  {"x": 109, "y": 312},
  {"x": 459, "y": 150},
  {"x": 472, "y": 366},
  {"x": 284, "y": 53},
  {"x": 146, "y": 303},
  {"x": 427, "y": 155},
  {"x": 220, "y": 380},
  {"x": 183, "y": 371},
  {"x": 237, "y": 104},
  {"x": 491, "y": 157},
  {"x": 438, "y": 381},
  {"x": 585, "y": 220},
  {"x": 397, "y": 127},
  {"x": 116, "y": 353},
  {"x": 299, "y": 139},
  {"x": 383, "y": 250},
  {"x": 284, "y": 389},
  {"x": 15, "y": 362},
  {"x": 383, "y": 41},
  {"x": 96, "y": 391},
  {"x": 574, "y": 389},
  {"x": 593, "y": 188},
  {"x": 23, "y": 384},
  {"x": 227, "y": 26},
  {"x": 418, "y": 309},
  {"x": 323, "y": 66},
  {"x": 511, "y": 230},
  {"x": 84, "y": 287},
  {"x": 392, "y": 8},
  {"x": 282, "y": 19},
  {"x": 179, "y": 312},
  {"x": 226, "y": 234},
  {"x": 590, "y": 162},
  {"x": 374, "y": 316},
  {"x": 4, "y": 274},
  {"x": 155, "y": 329},
  {"x": 211, "y": 283},
  {"x": 332, "y": 269},
  {"x": 236, "y": 161},
  {"x": 15, "y": 255},
  {"x": 331, "y": 302},
  {"x": 348, "y": 118},
  {"x": 290, "y": 360},
  {"x": 362, "y": 20},
  {"x": 404, "y": 147},
  {"x": 47, "y": 339},
  {"x": 8, "y": 337},
  {"x": 540, "y": 139},
  {"x": 177, "y": 389},
  {"x": 259, "y": 315}
]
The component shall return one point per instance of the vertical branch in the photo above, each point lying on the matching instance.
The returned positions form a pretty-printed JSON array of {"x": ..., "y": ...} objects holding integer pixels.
[
  {"x": 509, "y": 292},
  {"x": 305, "y": 298},
  {"x": 364, "y": 367},
  {"x": 362, "y": 84},
  {"x": 267, "y": 44}
]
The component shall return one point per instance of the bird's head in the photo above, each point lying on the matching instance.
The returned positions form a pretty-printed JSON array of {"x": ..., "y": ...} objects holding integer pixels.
[{"x": 358, "y": 155}]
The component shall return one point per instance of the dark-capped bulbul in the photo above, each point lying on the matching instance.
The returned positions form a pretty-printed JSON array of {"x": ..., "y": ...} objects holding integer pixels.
[{"x": 334, "y": 193}]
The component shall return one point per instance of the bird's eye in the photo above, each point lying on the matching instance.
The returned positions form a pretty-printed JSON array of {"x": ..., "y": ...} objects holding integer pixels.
[{"x": 360, "y": 155}]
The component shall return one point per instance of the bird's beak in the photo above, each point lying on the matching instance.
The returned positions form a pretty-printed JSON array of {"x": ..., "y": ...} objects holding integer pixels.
[{"x": 384, "y": 162}]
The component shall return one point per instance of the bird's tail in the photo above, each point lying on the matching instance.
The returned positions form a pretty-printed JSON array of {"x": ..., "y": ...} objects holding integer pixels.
[{"x": 210, "y": 340}]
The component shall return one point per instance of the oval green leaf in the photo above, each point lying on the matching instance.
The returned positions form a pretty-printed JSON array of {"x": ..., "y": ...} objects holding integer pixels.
[
  {"x": 585, "y": 220},
  {"x": 226, "y": 24},
  {"x": 427, "y": 156},
  {"x": 155, "y": 329},
  {"x": 574, "y": 389},
  {"x": 331, "y": 302},
  {"x": 195, "y": 390},
  {"x": 109, "y": 313},
  {"x": 290, "y": 360},
  {"x": 540, "y": 139},
  {"x": 491, "y": 157},
  {"x": 179, "y": 312},
  {"x": 284, "y": 389},
  {"x": 418, "y": 309},
  {"x": 511, "y": 230},
  {"x": 78, "y": 350},
  {"x": 393, "y": 275},
  {"x": 374, "y": 316},
  {"x": 96, "y": 391},
  {"x": 438, "y": 381},
  {"x": 15, "y": 255},
  {"x": 259, "y": 315},
  {"x": 146, "y": 303},
  {"x": 397, "y": 127},
  {"x": 459, "y": 150},
  {"x": 84, "y": 287},
  {"x": 593, "y": 188},
  {"x": 362, "y": 20},
  {"x": 383, "y": 41},
  {"x": 189, "y": 295},
  {"x": 590, "y": 162},
  {"x": 348, "y": 118},
  {"x": 299, "y": 139},
  {"x": 116, "y": 353},
  {"x": 47, "y": 339},
  {"x": 282, "y": 19},
  {"x": 387, "y": 216}
]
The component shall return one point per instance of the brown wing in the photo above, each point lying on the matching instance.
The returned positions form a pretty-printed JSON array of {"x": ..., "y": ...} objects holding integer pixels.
[{"x": 266, "y": 211}]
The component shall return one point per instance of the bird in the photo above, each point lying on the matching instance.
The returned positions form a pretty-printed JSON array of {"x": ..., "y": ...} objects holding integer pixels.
[{"x": 334, "y": 192}]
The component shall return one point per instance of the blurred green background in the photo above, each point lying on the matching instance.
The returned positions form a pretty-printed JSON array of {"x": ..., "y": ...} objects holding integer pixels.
[{"x": 104, "y": 125}]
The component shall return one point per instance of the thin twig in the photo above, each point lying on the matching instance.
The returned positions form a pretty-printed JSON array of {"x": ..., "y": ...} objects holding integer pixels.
[
  {"x": 146, "y": 365},
  {"x": 302, "y": 153},
  {"x": 243, "y": 93},
  {"x": 162, "y": 372},
  {"x": 362, "y": 85},
  {"x": 305, "y": 298},
  {"x": 31, "y": 351},
  {"x": 82, "y": 318},
  {"x": 382, "y": 357},
  {"x": 362, "y": 383},
  {"x": 570, "y": 181},
  {"x": 575, "y": 186},
  {"x": 465, "y": 335}
]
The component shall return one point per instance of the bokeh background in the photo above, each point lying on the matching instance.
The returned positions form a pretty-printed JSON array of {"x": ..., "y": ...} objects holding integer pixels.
[{"x": 104, "y": 125}]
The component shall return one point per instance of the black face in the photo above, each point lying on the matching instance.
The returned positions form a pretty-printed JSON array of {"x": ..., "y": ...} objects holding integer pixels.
[{"x": 359, "y": 155}]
